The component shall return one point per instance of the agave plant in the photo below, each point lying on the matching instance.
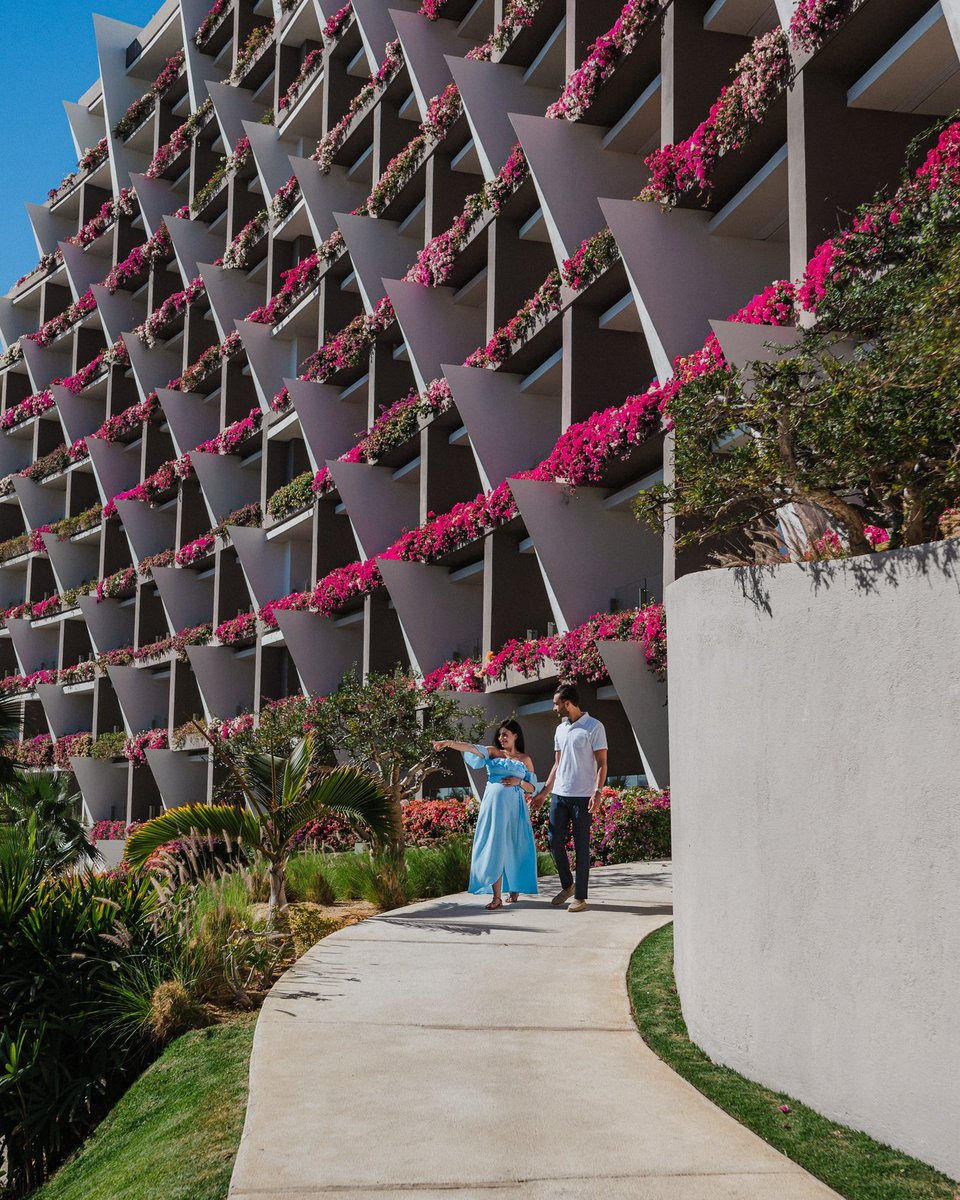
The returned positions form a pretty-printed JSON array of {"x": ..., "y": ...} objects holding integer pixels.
[{"x": 282, "y": 793}]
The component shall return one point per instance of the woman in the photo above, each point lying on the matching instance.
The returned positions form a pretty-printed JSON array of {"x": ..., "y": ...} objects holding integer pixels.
[{"x": 504, "y": 855}]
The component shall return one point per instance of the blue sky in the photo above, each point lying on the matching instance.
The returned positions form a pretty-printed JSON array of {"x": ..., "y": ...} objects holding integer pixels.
[{"x": 47, "y": 55}]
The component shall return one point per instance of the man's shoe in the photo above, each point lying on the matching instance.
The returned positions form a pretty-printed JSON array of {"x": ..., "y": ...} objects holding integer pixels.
[
  {"x": 562, "y": 897},
  {"x": 577, "y": 906}
]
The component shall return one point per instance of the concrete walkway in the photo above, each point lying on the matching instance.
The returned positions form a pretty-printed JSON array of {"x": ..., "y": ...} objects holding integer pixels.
[{"x": 444, "y": 1049}]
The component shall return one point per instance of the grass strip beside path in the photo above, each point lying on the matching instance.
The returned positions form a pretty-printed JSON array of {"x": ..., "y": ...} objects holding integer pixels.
[
  {"x": 852, "y": 1163},
  {"x": 174, "y": 1134}
]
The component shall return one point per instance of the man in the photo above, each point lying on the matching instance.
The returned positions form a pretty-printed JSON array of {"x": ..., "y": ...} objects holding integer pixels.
[{"x": 578, "y": 773}]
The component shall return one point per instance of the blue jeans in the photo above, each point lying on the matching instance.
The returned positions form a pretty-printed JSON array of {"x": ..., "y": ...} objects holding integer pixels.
[{"x": 563, "y": 811}]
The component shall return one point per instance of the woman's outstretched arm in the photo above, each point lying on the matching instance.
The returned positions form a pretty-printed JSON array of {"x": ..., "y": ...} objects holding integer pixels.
[{"x": 462, "y": 747}]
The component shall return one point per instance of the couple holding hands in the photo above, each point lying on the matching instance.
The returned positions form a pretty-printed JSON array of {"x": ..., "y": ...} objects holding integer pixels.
[{"x": 504, "y": 856}]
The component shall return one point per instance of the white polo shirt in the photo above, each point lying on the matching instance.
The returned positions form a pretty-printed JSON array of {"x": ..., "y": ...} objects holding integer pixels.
[{"x": 576, "y": 742}]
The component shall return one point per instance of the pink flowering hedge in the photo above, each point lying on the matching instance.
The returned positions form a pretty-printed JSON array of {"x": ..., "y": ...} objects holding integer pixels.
[{"x": 633, "y": 825}]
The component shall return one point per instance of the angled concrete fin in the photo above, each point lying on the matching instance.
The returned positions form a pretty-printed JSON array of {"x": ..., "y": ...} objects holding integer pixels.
[
  {"x": 15, "y": 321},
  {"x": 79, "y": 415},
  {"x": 103, "y": 786},
  {"x": 330, "y": 426},
  {"x": 143, "y": 697},
  {"x": 233, "y": 106},
  {"x": 231, "y": 294},
  {"x": 201, "y": 68},
  {"x": 86, "y": 127},
  {"x": 191, "y": 418},
  {"x": 84, "y": 267},
  {"x": 66, "y": 712},
  {"x": 743, "y": 344},
  {"x": 118, "y": 311},
  {"x": 110, "y": 622},
  {"x": 226, "y": 484},
  {"x": 149, "y": 530},
  {"x": 35, "y": 648},
  {"x": 119, "y": 92},
  {"x": 41, "y": 505},
  {"x": 327, "y": 194},
  {"x": 426, "y": 45},
  {"x": 181, "y": 776},
  {"x": 681, "y": 275},
  {"x": 436, "y": 329},
  {"x": 265, "y": 563},
  {"x": 380, "y": 507},
  {"x": 153, "y": 367},
  {"x": 489, "y": 92},
  {"x": 321, "y": 651},
  {"x": 225, "y": 679},
  {"x": 376, "y": 26},
  {"x": 46, "y": 362},
  {"x": 510, "y": 430},
  {"x": 440, "y": 617},
  {"x": 271, "y": 155},
  {"x": 15, "y": 453},
  {"x": 644, "y": 700},
  {"x": 49, "y": 228},
  {"x": 271, "y": 359},
  {"x": 115, "y": 465},
  {"x": 615, "y": 554},
  {"x": 186, "y": 595},
  {"x": 158, "y": 200},
  {"x": 73, "y": 562},
  {"x": 193, "y": 243},
  {"x": 570, "y": 168},
  {"x": 377, "y": 249}
]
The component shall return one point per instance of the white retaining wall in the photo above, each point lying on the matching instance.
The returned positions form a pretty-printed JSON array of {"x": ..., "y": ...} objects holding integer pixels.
[{"x": 815, "y": 771}]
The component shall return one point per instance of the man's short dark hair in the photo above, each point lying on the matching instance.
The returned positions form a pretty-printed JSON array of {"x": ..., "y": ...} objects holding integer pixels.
[{"x": 569, "y": 692}]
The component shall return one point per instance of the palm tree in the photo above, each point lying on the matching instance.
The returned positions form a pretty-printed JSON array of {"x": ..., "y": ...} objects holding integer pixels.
[
  {"x": 283, "y": 793},
  {"x": 44, "y": 803},
  {"x": 11, "y": 717}
]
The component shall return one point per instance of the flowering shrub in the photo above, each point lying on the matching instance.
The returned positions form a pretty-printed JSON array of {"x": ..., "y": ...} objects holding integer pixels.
[
  {"x": 760, "y": 77},
  {"x": 232, "y": 439},
  {"x": 238, "y": 252},
  {"x": 140, "y": 109},
  {"x": 180, "y": 140},
  {"x": 155, "y": 487},
  {"x": 299, "y": 280},
  {"x": 123, "y": 204},
  {"x": 240, "y": 628},
  {"x": 252, "y": 49},
  {"x": 632, "y": 824},
  {"x": 544, "y": 302},
  {"x": 135, "y": 748},
  {"x": 376, "y": 84},
  {"x": 596, "y": 255},
  {"x": 311, "y": 65},
  {"x": 291, "y": 497},
  {"x": 31, "y": 407},
  {"x": 131, "y": 420},
  {"x": 157, "y": 326},
  {"x": 111, "y": 831},
  {"x": 63, "y": 321},
  {"x": 426, "y": 822},
  {"x": 91, "y": 158},
  {"x": 518, "y": 14},
  {"x": 193, "y": 551},
  {"x": 814, "y": 20},
  {"x": 210, "y": 22}
]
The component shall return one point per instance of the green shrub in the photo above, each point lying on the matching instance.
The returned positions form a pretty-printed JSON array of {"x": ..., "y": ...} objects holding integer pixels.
[{"x": 308, "y": 926}]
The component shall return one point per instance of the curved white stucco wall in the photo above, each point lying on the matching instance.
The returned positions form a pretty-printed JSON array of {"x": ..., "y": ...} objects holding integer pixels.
[{"x": 815, "y": 771}]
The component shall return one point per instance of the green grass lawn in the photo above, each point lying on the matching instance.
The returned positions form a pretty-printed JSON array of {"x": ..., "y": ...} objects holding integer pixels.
[
  {"x": 175, "y": 1132},
  {"x": 852, "y": 1163}
]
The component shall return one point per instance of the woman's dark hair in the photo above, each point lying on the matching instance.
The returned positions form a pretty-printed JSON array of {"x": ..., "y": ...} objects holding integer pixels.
[{"x": 514, "y": 727}]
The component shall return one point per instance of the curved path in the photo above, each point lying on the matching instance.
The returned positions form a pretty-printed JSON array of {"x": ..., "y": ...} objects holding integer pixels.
[{"x": 444, "y": 1050}]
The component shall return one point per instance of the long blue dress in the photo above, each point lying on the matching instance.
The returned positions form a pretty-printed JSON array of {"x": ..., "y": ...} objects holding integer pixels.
[{"x": 503, "y": 843}]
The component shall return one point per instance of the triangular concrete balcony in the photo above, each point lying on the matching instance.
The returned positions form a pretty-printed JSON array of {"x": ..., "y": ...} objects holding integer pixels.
[
  {"x": 613, "y": 550},
  {"x": 322, "y": 651},
  {"x": 79, "y": 415},
  {"x": 329, "y": 425},
  {"x": 116, "y": 466},
  {"x": 41, "y": 505},
  {"x": 377, "y": 248},
  {"x": 16, "y": 453},
  {"x": 192, "y": 418},
  {"x": 73, "y": 562},
  {"x": 233, "y": 106},
  {"x": 45, "y": 363},
  {"x": 66, "y": 711},
  {"x": 490, "y": 91},
  {"x": 49, "y": 228},
  {"x": 426, "y": 47},
  {"x": 104, "y": 787},
  {"x": 231, "y": 294},
  {"x": 153, "y": 367},
  {"x": 86, "y": 127},
  {"x": 379, "y": 505},
  {"x": 35, "y": 647},
  {"x": 271, "y": 359},
  {"x": 265, "y": 563},
  {"x": 15, "y": 321},
  {"x": 158, "y": 200},
  {"x": 745, "y": 344},
  {"x": 119, "y": 92},
  {"x": 436, "y": 329},
  {"x": 681, "y": 276},
  {"x": 325, "y": 195},
  {"x": 144, "y": 697},
  {"x": 118, "y": 311},
  {"x": 225, "y": 482},
  {"x": 186, "y": 595},
  {"x": 194, "y": 243},
  {"x": 201, "y": 68},
  {"x": 494, "y": 402},
  {"x": 226, "y": 679},
  {"x": 570, "y": 169},
  {"x": 149, "y": 530},
  {"x": 181, "y": 776},
  {"x": 271, "y": 155},
  {"x": 110, "y": 623},
  {"x": 644, "y": 699},
  {"x": 440, "y": 616},
  {"x": 377, "y": 27},
  {"x": 85, "y": 267}
]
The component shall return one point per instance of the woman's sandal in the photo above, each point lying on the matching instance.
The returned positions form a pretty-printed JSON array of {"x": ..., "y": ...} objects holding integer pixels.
[
  {"x": 513, "y": 897},
  {"x": 496, "y": 902}
]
